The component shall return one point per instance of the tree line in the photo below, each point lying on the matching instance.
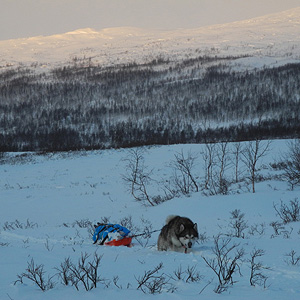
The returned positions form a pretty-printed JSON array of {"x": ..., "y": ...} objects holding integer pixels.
[{"x": 161, "y": 102}]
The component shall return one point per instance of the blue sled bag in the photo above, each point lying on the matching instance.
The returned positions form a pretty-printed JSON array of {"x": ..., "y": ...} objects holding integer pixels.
[{"x": 111, "y": 235}]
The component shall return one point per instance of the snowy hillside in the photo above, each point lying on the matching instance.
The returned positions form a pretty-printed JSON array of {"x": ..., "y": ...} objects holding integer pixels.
[
  {"x": 124, "y": 87},
  {"x": 49, "y": 201},
  {"x": 275, "y": 36}
]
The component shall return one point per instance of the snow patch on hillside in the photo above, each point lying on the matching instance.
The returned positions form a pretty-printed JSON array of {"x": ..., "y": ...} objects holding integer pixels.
[{"x": 275, "y": 35}]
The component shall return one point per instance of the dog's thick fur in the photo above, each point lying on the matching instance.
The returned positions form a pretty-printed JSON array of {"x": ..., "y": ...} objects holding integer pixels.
[{"x": 179, "y": 234}]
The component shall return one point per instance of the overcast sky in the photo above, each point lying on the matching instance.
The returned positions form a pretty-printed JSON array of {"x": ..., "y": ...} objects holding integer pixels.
[{"x": 26, "y": 18}]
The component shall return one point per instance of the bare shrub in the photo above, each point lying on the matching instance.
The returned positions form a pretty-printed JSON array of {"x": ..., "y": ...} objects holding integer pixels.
[
  {"x": 237, "y": 149},
  {"x": 209, "y": 160},
  {"x": 202, "y": 237},
  {"x": 48, "y": 246},
  {"x": 36, "y": 274},
  {"x": 192, "y": 275},
  {"x": 147, "y": 230},
  {"x": 138, "y": 177},
  {"x": 222, "y": 163},
  {"x": 256, "y": 275},
  {"x": 216, "y": 161},
  {"x": 292, "y": 258},
  {"x": 116, "y": 282},
  {"x": 105, "y": 220},
  {"x": 277, "y": 226},
  {"x": 279, "y": 229},
  {"x": 64, "y": 271},
  {"x": 85, "y": 273},
  {"x": 4, "y": 244},
  {"x": 128, "y": 223},
  {"x": 152, "y": 282},
  {"x": 251, "y": 154},
  {"x": 225, "y": 263},
  {"x": 289, "y": 213},
  {"x": 238, "y": 223},
  {"x": 19, "y": 225},
  {"x": 170, "y": 189},
  {"x": 188, "y": 275},
  {"x": 179, "y": 274},
  {"x": 292, "y": 166},
  {"x": 83, "y": 223},
  {"x": 183, "y": 166},
  {"x": 158, "y": 199},
  {"x": 257, "y": 229}
]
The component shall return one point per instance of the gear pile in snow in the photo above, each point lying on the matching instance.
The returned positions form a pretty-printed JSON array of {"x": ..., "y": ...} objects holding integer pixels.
[{"x": 111, "y": 235}]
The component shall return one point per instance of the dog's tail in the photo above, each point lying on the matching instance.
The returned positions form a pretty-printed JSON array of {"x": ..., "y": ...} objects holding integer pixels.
[{"x": 170, "y": 218}]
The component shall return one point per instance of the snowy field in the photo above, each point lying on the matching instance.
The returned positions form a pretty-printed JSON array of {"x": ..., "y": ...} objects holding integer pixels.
[{"x": 48, "y": 202}]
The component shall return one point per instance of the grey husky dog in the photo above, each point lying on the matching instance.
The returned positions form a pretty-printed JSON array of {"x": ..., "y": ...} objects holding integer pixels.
[{"x": 179, "y": 234}]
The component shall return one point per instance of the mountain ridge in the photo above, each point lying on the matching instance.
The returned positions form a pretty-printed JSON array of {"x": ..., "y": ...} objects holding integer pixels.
[
  {"x": 291, "y": 14},
  {"x": 270, "y": 35}
]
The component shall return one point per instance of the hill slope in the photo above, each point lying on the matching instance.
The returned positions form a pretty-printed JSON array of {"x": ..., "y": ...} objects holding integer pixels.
[
  {"x": 49, "y": 202},
  {"x": 271, "y": 35},
  {"x": 123, "y": 87}
]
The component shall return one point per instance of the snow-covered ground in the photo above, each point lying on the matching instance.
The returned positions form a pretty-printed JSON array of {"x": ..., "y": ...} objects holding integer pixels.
[{"x": 46, "y": 200}]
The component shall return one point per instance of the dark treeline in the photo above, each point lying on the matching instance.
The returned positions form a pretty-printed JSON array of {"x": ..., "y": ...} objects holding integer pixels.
[{"x": 197, "y": 100}]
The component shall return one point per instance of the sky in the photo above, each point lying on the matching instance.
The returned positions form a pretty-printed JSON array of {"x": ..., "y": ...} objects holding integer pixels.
[{"x": 27, "y": 18}]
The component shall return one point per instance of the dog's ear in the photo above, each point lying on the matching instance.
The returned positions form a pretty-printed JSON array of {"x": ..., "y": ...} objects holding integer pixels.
[
  {"x": 181, "y": 227},
  {"x": 196, "y": 227}
]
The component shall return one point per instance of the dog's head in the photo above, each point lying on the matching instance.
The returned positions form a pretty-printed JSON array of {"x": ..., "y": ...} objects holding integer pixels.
[{"x": 188, "y": 235}]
